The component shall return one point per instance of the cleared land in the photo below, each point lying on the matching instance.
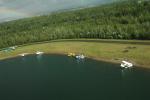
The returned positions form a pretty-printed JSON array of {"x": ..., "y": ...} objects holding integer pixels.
[{"x": 138, "y": 52}]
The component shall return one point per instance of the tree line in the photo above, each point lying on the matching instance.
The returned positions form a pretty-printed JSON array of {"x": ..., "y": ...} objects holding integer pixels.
[{"x": 122, "y": 20}]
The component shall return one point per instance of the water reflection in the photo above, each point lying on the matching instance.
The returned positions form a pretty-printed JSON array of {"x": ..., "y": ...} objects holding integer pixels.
[
  {"x": 125, "y": 72},
  {"x": 39, "y": 57},
  {"x": 80, "y": 61},
  {"x": 23, "y": 59}
]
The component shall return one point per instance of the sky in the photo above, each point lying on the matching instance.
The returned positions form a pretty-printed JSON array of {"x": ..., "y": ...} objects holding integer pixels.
[{"x": 16, "y": 9}]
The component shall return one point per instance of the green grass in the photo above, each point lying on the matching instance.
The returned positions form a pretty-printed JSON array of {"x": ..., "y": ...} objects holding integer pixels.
[
  {"x": 119, "y": 20},
  {"x": 138, "y": 52}
]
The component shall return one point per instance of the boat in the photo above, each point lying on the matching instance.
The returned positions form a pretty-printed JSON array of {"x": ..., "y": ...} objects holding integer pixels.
[
  {"x": 23, "y": 54},
  {"x": 39, "y": 53},
  {"x": 80, "y": 57},
  {"x": 71, "y": 54},
  {"x": 126, "y": 64}
]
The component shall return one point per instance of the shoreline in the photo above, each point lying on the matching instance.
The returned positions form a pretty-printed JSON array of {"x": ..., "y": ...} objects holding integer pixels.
[
  {"x": 89, "y": 57},
  {"x": 95, "y": 49}
]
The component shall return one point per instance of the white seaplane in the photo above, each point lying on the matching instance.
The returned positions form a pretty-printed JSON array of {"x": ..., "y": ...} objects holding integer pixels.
[
  {"x": 126, "y": 64},
  {"x": 80, "y": 57},
  {"x": 39, "y": 52}
]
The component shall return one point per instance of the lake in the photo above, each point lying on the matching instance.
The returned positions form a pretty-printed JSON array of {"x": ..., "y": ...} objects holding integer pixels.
[{"x": 58, "y": 77}]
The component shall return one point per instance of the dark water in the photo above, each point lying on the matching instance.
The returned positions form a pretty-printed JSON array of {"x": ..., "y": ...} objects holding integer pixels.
[{"x": 55, "y": 77}]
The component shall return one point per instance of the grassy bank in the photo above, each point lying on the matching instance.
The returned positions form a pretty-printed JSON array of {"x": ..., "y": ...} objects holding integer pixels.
[{"x": 138, "y": 52}]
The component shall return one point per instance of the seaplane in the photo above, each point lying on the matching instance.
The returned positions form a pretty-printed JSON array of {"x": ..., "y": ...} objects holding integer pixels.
[
  {"x": 23, "y": 54},
  {"x": 126, "y": 64},
  {"x": 80, "y": 57},
  {"x": 71, "y": 54},
  {"x": 39, "y": 52}
]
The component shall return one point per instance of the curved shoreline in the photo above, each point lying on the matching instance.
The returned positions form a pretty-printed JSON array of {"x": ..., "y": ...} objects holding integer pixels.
[
  {"x": 89, "y": 57},
  {"x": 94, "y": 49}
]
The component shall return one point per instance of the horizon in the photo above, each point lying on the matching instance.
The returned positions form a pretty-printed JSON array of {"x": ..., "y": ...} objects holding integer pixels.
[{"x": 17, "y": 9}]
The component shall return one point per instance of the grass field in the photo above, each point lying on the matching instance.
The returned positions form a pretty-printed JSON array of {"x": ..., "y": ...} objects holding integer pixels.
[{"x": 137, "y": 52}]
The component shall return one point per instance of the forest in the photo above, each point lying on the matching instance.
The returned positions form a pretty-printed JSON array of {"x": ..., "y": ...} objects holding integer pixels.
[{"x": 122, "y": 20}]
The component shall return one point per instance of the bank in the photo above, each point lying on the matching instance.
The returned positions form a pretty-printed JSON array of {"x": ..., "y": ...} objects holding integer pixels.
[{"x": 135, "y": 51}]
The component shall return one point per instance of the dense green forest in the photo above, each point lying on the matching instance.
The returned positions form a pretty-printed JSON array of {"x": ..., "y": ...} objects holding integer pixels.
[{"x": 121, "y": 20}]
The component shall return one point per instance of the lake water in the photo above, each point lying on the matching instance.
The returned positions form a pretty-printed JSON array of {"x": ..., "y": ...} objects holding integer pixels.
[{"x": 56, "y": 77}]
